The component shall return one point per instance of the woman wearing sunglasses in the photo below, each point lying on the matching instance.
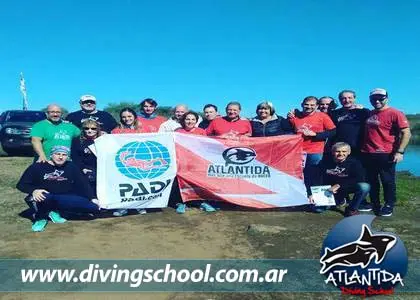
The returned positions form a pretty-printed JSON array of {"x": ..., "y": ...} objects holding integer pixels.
[{"x": 82, "y": 155}]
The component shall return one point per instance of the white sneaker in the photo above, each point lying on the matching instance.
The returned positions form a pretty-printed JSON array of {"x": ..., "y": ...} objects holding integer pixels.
[{"x": 120, "y": 213}]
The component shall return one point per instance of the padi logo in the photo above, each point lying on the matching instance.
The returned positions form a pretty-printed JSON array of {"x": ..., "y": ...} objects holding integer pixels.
[
  {"x": 238, "y": 164},
  {"x": 238, "y": 155},
  {"x": 146, "y": 191},
  {"x": 143, "y": 160},
  {"x": 361, "y": 262}
]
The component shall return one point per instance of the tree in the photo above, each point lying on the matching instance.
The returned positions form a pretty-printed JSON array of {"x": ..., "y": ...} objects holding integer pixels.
[{"x": 115, "y": 108}]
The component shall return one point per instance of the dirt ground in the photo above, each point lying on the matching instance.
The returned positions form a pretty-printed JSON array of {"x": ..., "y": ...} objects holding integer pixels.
[{"x": 165, "y": 235}]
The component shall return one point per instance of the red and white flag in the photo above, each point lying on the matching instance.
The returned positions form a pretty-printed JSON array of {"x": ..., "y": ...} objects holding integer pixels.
[{"x": 255, "y": 172}]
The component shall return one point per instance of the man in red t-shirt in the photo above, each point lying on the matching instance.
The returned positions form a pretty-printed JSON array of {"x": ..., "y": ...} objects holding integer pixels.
[
  {"x": 386, "y": 136},
  {"x": 315, "y": 127},
  {"x": 231, "y": 126},
  {"x": 148, "y": 117}
]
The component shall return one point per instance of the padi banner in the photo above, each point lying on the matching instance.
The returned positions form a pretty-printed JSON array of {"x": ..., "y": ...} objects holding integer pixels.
[
  {"x": 135, "y": 170},
  {"x": 254, "y": 172}
]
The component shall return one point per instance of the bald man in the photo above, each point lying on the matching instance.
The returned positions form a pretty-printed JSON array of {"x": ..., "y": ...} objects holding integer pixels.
[
  {"x": 51, "y": 132},
  {"x": 173, "y": 123}
]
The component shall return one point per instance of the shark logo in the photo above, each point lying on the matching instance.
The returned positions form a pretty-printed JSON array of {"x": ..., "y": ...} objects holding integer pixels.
[
  {"x": 359, "y": 252},
  {"x": 56, "y": 175},
  {"x": 336, "y": 171},
  {"x": 239, "y": 155}
]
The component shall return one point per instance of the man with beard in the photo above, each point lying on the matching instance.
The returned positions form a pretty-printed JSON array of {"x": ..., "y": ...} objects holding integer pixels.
[{"x": 52, "y": 131}]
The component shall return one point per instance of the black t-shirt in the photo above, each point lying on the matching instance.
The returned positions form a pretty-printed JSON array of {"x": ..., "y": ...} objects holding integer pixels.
[
  {"x": 104, "y": 119},
  {"x": 346, "y": 173},
  {"x": 349, "y": 126},
  {"x": 66, "y": 179}
]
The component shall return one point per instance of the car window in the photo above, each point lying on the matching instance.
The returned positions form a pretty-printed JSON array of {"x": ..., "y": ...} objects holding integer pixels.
[
  {"x": 2, "y": 117},
  {"x": 25, "y": 116}
]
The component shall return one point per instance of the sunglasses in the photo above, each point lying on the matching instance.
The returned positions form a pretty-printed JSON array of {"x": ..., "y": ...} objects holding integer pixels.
[
  {"x": 88, "y": 102},
  {"x": 91, "y": 128},
  {"x": 377, "y": 98}
]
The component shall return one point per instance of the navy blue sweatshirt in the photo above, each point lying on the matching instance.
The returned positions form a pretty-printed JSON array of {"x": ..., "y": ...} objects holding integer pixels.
[
  {"x": 104, "y": 119},
  {"x": 276, "y": 126},
  {"x": 81, "y": 155},
  {"x": 65, "y": 179},
  {"x": 329, "y": 172},
  {"x": 349, "y": 126}
]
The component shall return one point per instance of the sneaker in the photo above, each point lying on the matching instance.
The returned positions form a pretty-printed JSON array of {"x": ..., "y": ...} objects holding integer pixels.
[
  {"x": 319, "y": 209},
  {"x": 365, "y": 207},
  {"x": 180, "y": 208},
  {"x": 141, "y": 211},
  {"x": 120, "y": 212},
  {"x": 207, "y": 207},
  {"x": 39, "y": 225},
  {"x": 350, "y": 213},
  {"x": 386, "y": 211},
  {"x": 56, "y": 218}
]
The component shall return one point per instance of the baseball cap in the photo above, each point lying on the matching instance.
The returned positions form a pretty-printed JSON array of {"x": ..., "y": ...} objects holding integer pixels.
[
  {"x": 87, "y": 98},
  {"x": 378, "y": 91}
]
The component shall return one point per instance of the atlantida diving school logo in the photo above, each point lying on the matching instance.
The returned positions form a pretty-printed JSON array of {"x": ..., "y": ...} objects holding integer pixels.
[
  {"x": 363, "y": 262},
  {"x": 238, "y": 165},
  {"x": 142, "y": 161}
]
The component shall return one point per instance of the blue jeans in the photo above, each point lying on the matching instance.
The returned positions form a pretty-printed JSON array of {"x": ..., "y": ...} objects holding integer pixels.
[
  {"x": 360, "y": 190},
  {"x": 61, "y": 202},
  {"x": 380, "y": 166},
  {"x": 312, "y": 161}
]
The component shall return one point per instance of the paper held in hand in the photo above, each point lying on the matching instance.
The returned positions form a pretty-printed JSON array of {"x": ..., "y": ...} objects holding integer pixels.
[{"x": 322, "y": 196}]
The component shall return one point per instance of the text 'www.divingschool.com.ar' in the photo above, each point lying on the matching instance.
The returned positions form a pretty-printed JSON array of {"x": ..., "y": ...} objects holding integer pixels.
[{"x": 136, "y": 277}]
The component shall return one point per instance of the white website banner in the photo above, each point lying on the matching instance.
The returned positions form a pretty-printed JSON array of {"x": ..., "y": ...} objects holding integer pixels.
[{"x": 135, "y": 170}]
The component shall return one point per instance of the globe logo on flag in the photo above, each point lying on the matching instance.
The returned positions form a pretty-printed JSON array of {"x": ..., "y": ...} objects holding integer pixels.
[{"x": 142, "y": 160}]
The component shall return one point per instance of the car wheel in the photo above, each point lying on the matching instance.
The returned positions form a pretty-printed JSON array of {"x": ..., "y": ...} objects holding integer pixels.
[{"x": 8, "y": 151}]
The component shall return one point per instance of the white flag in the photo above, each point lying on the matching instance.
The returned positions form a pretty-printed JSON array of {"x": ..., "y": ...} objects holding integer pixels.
[{"x": 23, "y": 90}]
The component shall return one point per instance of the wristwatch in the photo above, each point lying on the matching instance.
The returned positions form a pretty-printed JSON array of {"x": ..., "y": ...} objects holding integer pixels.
[{"x": 400, "y": 152}]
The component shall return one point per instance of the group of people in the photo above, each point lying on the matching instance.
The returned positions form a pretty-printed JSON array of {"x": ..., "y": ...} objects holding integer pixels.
[{"x": 350, "y": 148}]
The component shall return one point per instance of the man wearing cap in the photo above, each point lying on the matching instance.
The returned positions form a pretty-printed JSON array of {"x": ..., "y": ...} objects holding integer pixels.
[
  {"x": 386, "y": 136},
  {"x": 89, "y": 112},
  {"x": 148, "y": 118},
  {"x": 51, "y": 132}
]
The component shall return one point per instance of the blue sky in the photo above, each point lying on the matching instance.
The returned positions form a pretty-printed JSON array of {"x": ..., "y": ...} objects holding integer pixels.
[{"x": 203, "y": 51}]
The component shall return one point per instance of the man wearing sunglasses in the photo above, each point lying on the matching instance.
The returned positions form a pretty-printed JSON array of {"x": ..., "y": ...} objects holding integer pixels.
[
  {"x": 89, "y": 112},
  {"x": 386, "y": 136}
]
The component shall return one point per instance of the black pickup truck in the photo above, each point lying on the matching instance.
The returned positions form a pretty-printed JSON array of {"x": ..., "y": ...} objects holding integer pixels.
[{"x": 15, "y": 129}]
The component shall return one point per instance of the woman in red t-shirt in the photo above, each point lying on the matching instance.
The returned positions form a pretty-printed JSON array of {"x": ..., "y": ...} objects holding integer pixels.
[
  {"x": 128, "y": 122},
  {"x": 188, "y": 122}
]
